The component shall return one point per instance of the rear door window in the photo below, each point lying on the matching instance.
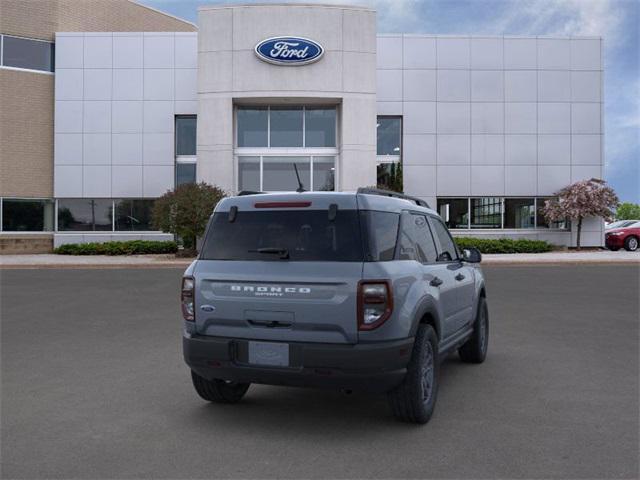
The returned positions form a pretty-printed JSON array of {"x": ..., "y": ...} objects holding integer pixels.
[
  {"x": 416, "y": 241},
  {"x": 380, "y": 230},
  {"x": 284, "y": 235}
]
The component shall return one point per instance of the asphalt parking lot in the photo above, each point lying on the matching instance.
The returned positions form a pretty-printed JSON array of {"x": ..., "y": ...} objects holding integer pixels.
[{"x": 93, "y": 386}]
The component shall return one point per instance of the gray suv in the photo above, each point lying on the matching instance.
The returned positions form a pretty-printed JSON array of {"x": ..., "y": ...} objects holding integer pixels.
[{"x": 354, "y": 291}]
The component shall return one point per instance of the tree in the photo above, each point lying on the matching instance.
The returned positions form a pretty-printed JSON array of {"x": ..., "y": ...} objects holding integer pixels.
[
  {"x": 628, "y": 211},
  {"x": 586, "y": 198},
  {"x": 186, "y": 210}
]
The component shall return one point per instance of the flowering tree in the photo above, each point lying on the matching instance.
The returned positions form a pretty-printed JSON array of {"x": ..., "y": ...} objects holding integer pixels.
[
  {"x": 185, "y": 211},
  {"x": 586, "y": 198}
]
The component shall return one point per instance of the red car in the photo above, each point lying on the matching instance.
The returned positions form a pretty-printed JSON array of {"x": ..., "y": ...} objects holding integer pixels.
[{"x": 627, "y": 237}]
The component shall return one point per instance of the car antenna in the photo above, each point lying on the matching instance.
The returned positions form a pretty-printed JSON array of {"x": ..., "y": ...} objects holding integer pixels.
[{"x": 300, "y": 188}]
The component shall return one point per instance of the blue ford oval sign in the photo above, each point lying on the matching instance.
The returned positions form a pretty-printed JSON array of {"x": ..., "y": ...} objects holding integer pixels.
[{"x": 289, "y": 50}]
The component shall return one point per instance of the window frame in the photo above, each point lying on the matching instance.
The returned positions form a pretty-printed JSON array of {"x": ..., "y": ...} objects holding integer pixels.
[
  {"x": 268, "y": 146},
  {"x": 29, "y": 232},
  {"x": 536, "y": 228},
  {"x": 184, "y": 159},
  {"x": 267, "y": 151},
  {"x": 22, "y": 69},
  {"x": 389, "y": 159}
]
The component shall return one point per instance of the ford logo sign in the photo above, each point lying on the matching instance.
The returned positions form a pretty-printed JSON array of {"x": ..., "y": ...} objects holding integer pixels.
[{"x": 289, "y": 51}]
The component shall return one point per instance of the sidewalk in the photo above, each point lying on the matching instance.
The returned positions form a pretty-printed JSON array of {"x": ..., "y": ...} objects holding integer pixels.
[{"x": 169, "y": 261}]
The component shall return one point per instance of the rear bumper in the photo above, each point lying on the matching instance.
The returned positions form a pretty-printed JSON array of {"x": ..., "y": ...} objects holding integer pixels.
[{"x": 374, "y": 367}]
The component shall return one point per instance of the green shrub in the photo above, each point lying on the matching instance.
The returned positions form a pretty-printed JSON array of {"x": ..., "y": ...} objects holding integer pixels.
[
  {"x": 132, "y": 247},
  {"x": 504, "y": 245}
]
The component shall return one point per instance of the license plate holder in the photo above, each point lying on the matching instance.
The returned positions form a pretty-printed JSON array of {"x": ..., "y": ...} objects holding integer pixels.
[{"x": 269, "y": 354}]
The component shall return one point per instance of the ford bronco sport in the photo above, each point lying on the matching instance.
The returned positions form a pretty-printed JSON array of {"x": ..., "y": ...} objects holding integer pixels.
[{"x": 361, "y": 290}]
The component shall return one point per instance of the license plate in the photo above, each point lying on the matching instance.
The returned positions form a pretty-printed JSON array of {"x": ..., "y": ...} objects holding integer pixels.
[{"x": 267, "y": 353}]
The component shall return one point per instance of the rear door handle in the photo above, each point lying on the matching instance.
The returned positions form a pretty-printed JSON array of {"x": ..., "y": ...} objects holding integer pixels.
[
  {"x": 436, "y": 282},
  {"x": 459, "y": 277}
]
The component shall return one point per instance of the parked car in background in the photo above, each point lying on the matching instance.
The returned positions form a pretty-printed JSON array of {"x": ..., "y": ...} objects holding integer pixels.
[
  {"x": 620, "y": 224},
  {"x": 627, "y": 237}
]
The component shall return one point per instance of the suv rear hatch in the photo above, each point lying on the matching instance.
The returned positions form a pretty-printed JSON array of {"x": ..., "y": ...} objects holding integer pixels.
[{"x": 281, "y": 267}]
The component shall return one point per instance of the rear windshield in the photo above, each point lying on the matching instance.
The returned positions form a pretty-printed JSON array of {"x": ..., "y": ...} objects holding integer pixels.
[{"x": 285, "y": 235}]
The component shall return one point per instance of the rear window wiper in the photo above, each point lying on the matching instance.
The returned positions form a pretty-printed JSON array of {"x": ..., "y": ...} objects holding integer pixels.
[{"x": 283, "y": 252}]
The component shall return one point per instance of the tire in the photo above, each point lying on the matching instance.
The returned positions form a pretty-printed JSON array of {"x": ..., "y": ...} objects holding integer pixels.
[
  {"x": 219, "y": 391},
  {"x": 474, "y": 350},
  {"x": 631, "y": 243},
  {"x": 415, "y": 398}
]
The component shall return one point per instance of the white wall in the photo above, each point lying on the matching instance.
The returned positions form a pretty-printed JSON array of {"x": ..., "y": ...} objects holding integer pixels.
[
  {"x": 116, "y": 95},
  {"x": 494, "y": 116},
  {"x": 230, "y": 72}
]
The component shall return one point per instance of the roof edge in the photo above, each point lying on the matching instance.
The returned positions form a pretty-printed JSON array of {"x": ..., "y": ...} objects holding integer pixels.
[{"x": 137, "y": 2}]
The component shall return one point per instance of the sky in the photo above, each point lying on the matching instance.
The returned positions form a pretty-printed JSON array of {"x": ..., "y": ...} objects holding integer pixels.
[{"x": 617, "y": 21}]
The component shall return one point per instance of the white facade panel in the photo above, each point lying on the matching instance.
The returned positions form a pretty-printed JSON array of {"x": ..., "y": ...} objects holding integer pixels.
[
  {"x": 453, "y": 52},
  {"x": 487, "y": 149},
  {"x": 487, "y": 53},
  {"x": 520, "y": 53},
  {"x": 419, "y": 85},
  {"x": 106, "y": 135},
  {"x": 453, "y": 117},
  {"x": 419, "y": 52},
  {"x": 487, "y": 117},
  {"x": 487, "y": 85},
  {"x": 554, "y": 118},
  {"x": 98, "y": 52},
  {"x": 520, "y": 85},
  {"x": 585, "y": 118},
  {"x": 454, "y": 86}
]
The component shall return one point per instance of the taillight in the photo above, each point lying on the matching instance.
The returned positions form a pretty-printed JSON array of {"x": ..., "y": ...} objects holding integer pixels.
[
  {"x": 186, "y": 298},
  {"x": 375, "y": 303}
]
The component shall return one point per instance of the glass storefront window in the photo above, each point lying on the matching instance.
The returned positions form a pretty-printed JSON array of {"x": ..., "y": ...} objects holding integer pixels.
[
  {"x": 320, "y": 127},
  {"x": 389, "y": 133},
  {"x": 542, "y": 222},
  {"x": 253, "y": 125},
  {"x": 454, "y": 212},
  {"x": 186, "y": 135},
  {"x": 519, "y": 213},
  {"x": 133, "y": 215},
  {"x": 286, "y": 125},
  {"x": 249, "y": 174},
  {"x": 185, "y": 173},
  {"x": 389, "y": 176},
  {"x": 324, "y": 169},
  {"x": 85, "y": 215},
  {"x": 27, "y": 215},
  {"x": 26, "y": 53},
  {"x": 486, "y": 212},
  {"x": 279, "y": 173}
]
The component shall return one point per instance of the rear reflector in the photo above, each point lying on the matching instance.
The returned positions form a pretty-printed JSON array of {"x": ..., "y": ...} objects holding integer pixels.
[{"x": 282, "y": 204}]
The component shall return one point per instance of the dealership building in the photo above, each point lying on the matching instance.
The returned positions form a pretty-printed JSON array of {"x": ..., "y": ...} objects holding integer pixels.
[{"x": 107, "y": 105}]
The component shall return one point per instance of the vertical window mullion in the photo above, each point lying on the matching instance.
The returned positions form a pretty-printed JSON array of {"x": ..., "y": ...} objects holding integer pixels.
[
  {"x": 261, "y": 174},
  {"x": 268, "y": 133},
  {"x": 468, "y": 213},
  {"x": 311, "y": 173},
  {"x": 1, "y": 49},
  {"x": 502, "y": 213},
  {"x": 304, "y": 127},
  {"x": 1, "y": 208},
  {"x": 113, "y": 215}
]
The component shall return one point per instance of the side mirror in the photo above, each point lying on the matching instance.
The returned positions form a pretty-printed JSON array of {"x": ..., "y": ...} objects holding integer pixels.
[{"x": 471, "y": 255}]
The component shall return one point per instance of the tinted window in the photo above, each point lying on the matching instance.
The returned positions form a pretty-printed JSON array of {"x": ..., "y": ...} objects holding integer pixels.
[
  {"x": 454, "y": 212},
  {"x": 447, "y": 249},
  {"x": 320, "y": 127},
  {"x": 286, "y": 127},
  {"x": 324, "y": 174},
  {"x": 249, "y": 173},
  {"x": 84, "y": 215},
  {"x": 389, "y": 132},
  {"x": 542, "y": 222},
  {"x": 133, "y": 215},
  {"x": 306, "y": 235},
  {"x": 519, "y": 213},
  {"x": 27, "y": 215},
  {"x": 279, "y": 173},
  {"x": 185, "y": 173},
  {"x": 25, "y": 53},
  {"x": 416, "y": 242},
  {"x": 486, "y": 212},
  {"x": 252, "y": 126},
  {"x": 186, "y": 135},
  {"x": 381, "y": 233}
]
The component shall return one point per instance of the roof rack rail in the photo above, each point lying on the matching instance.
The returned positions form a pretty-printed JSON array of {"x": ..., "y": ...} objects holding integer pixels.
[
  {"x": 388, "y": 193},
  {"x": 248, "y": 192}
]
